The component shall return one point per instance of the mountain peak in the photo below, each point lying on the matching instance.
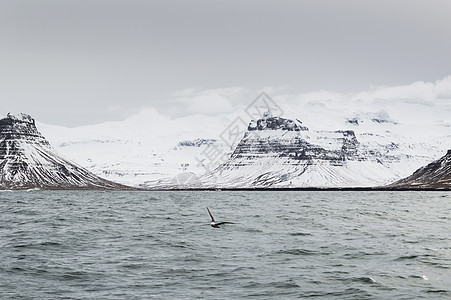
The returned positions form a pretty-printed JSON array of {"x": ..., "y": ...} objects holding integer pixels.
[
  {"x": 21, "y": 117},
  {"x": 268, "y": 122},
  {"x": 27, "y": 160}
]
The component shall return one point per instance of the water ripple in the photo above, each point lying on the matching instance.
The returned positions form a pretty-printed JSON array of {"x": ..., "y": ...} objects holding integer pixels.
[{"x": 140, "y": 245}]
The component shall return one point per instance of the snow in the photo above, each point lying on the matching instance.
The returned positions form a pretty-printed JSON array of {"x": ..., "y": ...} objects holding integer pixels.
[
  {"x": 408, "y": 132},
  {"x": 21, "y": 117},
  {"x": 141, "y": 148},
  {"x": 28, "y": 160}
]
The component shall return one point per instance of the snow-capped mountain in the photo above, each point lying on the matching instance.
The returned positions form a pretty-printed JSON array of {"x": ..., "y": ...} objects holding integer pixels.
[
  {"x": 145, "y": 147},
  {"x": 368, "y": 139},
  {"x": 436, "y": 175},
  {"x": 28, "y": 161},
  {"x": 277, "y": 152}
]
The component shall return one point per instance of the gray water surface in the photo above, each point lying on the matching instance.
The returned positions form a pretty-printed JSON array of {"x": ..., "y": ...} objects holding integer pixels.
[{"x": 293, "y": 244}]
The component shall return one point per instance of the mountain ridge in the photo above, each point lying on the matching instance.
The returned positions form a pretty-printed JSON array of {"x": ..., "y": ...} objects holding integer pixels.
[
  {"x": 273, "y": 156},
  {"x": 435, "y": 175},
  {"x": 274, "y": 153},
  {"x": 398, "y": 136},
  {"x": 27, "y": 161}
]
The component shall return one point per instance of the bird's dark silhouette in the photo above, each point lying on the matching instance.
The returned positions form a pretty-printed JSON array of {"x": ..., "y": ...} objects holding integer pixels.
[{"x": 215, "y": 224}]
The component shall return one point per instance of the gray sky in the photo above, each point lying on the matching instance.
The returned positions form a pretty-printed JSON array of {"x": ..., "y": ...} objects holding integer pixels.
[{"x": 78, "y": 62}]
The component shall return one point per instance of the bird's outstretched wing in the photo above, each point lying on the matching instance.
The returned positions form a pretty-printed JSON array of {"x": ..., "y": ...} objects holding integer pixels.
[
  {"x": 220, "y": 223},
  {"x": 211, "y": 216}
]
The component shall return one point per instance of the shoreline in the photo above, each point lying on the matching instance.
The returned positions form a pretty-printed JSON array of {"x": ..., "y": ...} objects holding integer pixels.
[{"x": 317, "y": 189}]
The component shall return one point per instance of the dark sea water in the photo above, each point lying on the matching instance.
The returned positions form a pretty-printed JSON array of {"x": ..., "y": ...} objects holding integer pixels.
[{"x": 141, "y": 245}]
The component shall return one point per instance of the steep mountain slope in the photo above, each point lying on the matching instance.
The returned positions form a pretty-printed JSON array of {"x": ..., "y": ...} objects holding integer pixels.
[
  {"x": 436, "y": 175},
  {"x": 28, "y": 161},
  {"x": 279, "y": 152}
]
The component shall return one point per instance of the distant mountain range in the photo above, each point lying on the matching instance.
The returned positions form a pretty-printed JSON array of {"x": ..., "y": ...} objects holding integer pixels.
[
  {"x": 277, "y": 152},
  {"x": 333, "y": 143},
  {"x": 28, "y": 161},
  {"x": 329, "y": 148}
]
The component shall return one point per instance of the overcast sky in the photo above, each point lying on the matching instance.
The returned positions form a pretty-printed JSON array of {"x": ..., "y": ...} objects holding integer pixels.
[{"x": 78, "y": 62}]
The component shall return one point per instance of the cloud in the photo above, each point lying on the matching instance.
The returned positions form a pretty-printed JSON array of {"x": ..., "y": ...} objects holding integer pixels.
[
  {"x": 194, "y": 103},
  {"x": 214, "y": 102},
  {"x": 208, "y": 102},
  {"x": 420, "y": 90},
  {"x": 443, "y": 88}
]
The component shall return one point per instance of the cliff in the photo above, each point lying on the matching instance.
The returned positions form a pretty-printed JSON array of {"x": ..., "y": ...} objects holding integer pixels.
[
  {"x": 27, "y": 160},
  {"x": 282, "y": 153}
]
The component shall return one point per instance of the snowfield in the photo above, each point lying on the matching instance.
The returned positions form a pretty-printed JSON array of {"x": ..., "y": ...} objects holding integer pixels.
[{"x": 394, "y": 138}]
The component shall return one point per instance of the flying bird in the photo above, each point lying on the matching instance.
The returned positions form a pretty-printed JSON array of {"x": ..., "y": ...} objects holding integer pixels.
[{"x": 213, "y": 222}]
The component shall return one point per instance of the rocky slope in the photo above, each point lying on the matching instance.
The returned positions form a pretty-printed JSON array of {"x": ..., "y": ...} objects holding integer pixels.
[
  {"x": 278, "y": 152},
  {"x": 28, "y": 161},
  {"x": 436, "y": 175}
]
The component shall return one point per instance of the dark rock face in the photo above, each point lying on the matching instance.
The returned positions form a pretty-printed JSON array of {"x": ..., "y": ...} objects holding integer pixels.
[
  {"x": 354, "y": 121},
  {"x": 274, "y": 123},
  {"x": 382, "y": 117},
  {"x": 195, "y": 143},
  {"x": 436, "y": 175},
  {"x": 278, "y": 152},
  {"x": 28, "y": 161},
  {"x": 297, "y": 148}
]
